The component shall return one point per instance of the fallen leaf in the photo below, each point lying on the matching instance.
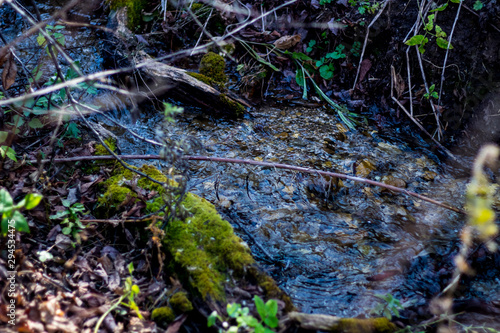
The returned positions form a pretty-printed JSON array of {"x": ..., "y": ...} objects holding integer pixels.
[
  {"x": 9, "y": 72},
  {"x": 286, "y": 42},
  {"x": 3, "y": 52},
  {"x": 366, "y": 64}
]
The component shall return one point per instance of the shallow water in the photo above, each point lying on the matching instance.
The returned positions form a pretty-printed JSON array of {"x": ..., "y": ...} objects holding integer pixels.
[{"x": 331, "y": 245}]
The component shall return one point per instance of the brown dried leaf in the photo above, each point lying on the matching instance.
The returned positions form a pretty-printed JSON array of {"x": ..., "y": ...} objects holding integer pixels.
[
  {"x": 366, "y": 64},
  {"x": 9, "y": 72},
  {"x": 286, "y": 42},
  {"x": 3, "y": 54}
]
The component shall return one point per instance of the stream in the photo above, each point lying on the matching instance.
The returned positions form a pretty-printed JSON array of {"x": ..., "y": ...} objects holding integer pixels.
[{"x": 332, "y": 245}]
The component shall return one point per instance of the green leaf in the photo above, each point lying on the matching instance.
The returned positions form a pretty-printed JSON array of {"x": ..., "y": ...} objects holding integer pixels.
[
  {"x": 3, "y": 136},
  {"x": 6, "y": 202},
  {"x": 326, "y": 72},
  {"x": 59, "y": 214},
  {"x": 261, "y": 307},
  {"x": 212, "y": 318},
  {"x": 44, "y": 256},
  {"x": 66, "y": 230},
  {"x": 135, "y": 289},
  {"x": 272, "y": 308},
  {"x": 32, "y": 200},
  {"x": 478, "y": 5},
  {"x": 455, "y": 1},
  {"x": 59, "y": 27},
  {"x": 40, "y": 39},
  {"x": 260, "y": 329},
  {"x": 415, "y": 40},
  {"x": 430, "y": 24},
  {"x": 20, "y": 223},
  {"x": 35, "y": 123},
  {"x": 443, "y": 43},
  {"x": 17, "y": 120},
  {"x": 250, "y": 321},
  {"x": 301, "y": 56},
  {"x": 440, "y": 32},
  {"x": 421, "y": 48},
  {"x": 130, "y": 268},
  {"x": 232, "y": 309},
  {"x": 10, "y": 153},
  {"x": 440, "y": 8},
  {"x": 66, "y": 203},
  {"x": 272, "y": 322}
]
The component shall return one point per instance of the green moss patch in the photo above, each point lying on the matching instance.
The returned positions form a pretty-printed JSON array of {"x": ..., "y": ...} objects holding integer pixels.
[
  {"x": 180, "y": 302},
  {"x": 213, "y": 65},
  {"x": 163, "y": 316},
  {"x": 355, "y": 325},
  {"x": 205, "y": 246},
  {"x": 234, "y": 106}
]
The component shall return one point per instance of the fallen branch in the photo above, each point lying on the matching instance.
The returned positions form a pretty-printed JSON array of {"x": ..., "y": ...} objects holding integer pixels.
[{"x": 262, "y": 164}]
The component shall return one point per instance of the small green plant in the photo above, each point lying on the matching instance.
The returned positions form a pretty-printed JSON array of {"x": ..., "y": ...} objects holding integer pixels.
[
  {"x": 71, "y": 219},
  {"x": 170, "y": 111},
  {"x": 56, "y": 33},
  {"x": 365, "y": 6},
  {"x": 325, "y": 65},
  {"x": 130, "y": 291},
  {"x": 478, "y": 5},
  {"x": 6, "y": 151},
  {"x": 389, "y": 306},
  {"x": 245, "y": 321},
  {"x": 431, "y": 93},
  {"x": 429, "y": 27},
  {"x": 12, "y": 219},
  {"x": 356, "y": 48}
]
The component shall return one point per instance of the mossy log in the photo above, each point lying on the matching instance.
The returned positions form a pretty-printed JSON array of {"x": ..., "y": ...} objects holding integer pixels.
[
  {"x": 342, "y": 325},
  {"x": 182, "y": 85}
]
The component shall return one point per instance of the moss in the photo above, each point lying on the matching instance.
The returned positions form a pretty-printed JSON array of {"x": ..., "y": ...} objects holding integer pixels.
[
  {"x": 212, "y": 65},
  {"x": 233, "y": 106},
  {"x": 101, "y": 150},
  {"x": 211, "y": 82},
  {"x": 180, "y": 302},
  {"x": 163, "y": 315},
  {"x": 205, "y": 246},
  {"x": 355, "y": 325},
  {"x": 134, "y": 10},
  {"x": 195, "y": 6}
]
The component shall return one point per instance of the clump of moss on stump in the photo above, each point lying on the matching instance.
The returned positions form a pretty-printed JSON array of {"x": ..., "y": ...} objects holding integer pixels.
[
  {"x": 163, "y": 315},
  {"x": 180, "y": 302},
  {"x": 212, "y": 66}
]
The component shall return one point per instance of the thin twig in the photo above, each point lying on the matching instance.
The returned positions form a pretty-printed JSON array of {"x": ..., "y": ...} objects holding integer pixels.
[
  {"x": 203, "y": 29},
  {"x": 366, "y": 40},
  {"x": 447, "y": 51},
  {"x": 262, "y": 164}
]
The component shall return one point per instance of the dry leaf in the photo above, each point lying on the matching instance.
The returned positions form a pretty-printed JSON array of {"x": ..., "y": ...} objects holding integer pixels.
[
  {"x": 286, "y": 42},
  {"x": 366, "y": 64},
  {"x": 3, "y": 53},
  {"x": 9, "y": 72}
]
